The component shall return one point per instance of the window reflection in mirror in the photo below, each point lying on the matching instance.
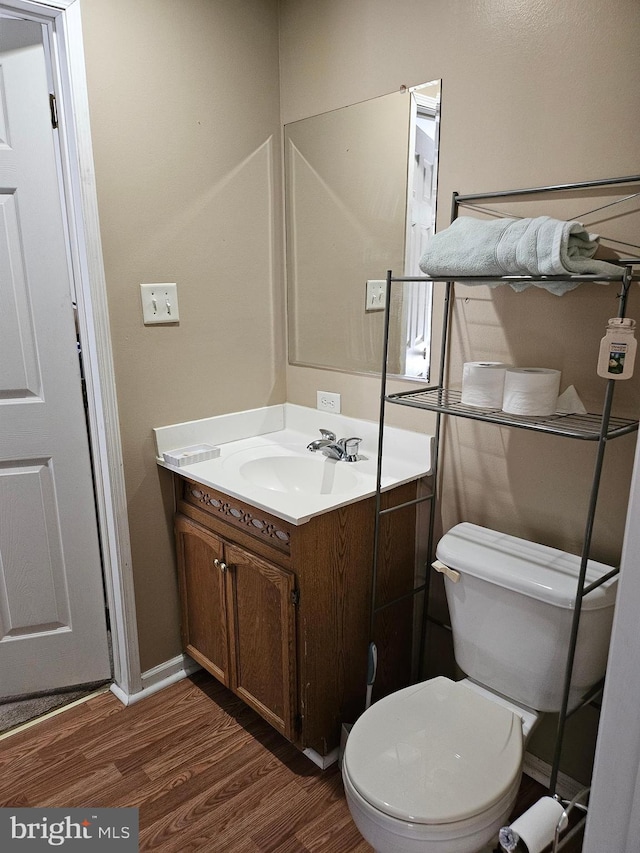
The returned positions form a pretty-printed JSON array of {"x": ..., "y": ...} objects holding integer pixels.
[
  {"x": 360, "y": 199},
  {"x": 424, "y": 130}
]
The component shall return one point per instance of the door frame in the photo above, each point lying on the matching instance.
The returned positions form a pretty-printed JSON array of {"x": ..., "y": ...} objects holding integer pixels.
[{"x": 65, "y": 46}]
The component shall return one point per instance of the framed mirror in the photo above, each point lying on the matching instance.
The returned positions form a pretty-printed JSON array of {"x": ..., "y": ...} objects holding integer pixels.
[{"x": 360, "y": 199}]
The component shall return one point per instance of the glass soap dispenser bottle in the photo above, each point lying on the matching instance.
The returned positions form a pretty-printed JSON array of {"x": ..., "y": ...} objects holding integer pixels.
[{"x": 617, "y": 349}]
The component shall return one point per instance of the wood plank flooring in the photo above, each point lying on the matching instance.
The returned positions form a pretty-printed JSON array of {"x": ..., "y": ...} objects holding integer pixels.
[{"x": 206, "y": 772}]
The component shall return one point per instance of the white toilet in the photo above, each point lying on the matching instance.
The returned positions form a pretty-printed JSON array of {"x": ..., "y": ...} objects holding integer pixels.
[{"x": 435, "y": 767}]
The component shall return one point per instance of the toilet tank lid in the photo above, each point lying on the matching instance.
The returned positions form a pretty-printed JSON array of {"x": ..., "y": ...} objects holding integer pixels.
[{"x": 535, "y": 570}]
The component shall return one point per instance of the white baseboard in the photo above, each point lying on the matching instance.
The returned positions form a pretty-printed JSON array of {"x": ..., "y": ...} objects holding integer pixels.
[
  {"x": 322, "y": 761},
  {"x": 158, "y": 678},
  {"x": 540, "y": 770}
]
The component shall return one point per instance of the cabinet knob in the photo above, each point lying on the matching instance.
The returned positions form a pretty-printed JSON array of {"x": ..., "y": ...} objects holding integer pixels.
[{"x": 220, "y": 565}]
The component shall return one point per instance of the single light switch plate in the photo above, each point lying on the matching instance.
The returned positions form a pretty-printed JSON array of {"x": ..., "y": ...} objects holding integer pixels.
[
  {"x": 328, "y": 402},
  {"x": 376, "y": 295},
  {"x": 159, "y": 303}
]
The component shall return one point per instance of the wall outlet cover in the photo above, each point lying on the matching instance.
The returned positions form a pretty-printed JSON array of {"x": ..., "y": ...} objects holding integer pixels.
[{"x": 326, "y": 401}]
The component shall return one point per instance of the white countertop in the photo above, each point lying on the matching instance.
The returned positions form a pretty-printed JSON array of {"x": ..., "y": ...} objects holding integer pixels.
[{"x": 285, "y": 430}]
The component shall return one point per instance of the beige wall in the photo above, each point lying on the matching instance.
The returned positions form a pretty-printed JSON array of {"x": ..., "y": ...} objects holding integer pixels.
[
  {"x": 188, "y": 176},
  {"x": 188, "y": 172},
  {"x": 532, "y": 94}
]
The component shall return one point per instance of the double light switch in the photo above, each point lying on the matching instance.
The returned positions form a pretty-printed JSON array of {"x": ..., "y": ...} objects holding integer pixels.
[{"x": 159, "y": 303}]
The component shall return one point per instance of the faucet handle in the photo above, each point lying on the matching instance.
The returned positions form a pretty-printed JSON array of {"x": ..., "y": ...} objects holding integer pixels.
[
  {"x": 351, "y": 448},
  {"x": 328, "y": 435}
]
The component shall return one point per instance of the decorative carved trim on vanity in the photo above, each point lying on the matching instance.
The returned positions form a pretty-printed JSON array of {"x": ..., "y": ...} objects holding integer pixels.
[{"x": 239, "y": 514}]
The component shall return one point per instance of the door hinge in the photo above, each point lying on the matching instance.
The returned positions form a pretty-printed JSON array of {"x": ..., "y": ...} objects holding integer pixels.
[
  {"x": 53, "y": 107},
  {"x": 295, "y": 597}
]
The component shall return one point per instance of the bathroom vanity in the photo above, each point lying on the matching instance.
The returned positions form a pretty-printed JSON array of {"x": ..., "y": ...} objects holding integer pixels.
[
  {"x": 276, "y": 605},
  {"x": 280, "y": 613}
]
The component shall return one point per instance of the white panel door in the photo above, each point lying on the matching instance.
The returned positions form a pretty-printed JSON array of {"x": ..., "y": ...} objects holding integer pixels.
[{"x": 52, "y": 612}]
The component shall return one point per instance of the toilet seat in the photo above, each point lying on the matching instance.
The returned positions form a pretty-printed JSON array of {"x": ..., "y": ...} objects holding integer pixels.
[{"x": 434, "y": 753}]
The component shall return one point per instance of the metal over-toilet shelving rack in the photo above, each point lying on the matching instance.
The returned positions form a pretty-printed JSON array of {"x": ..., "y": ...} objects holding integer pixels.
[{"x": 598, "y": 428}]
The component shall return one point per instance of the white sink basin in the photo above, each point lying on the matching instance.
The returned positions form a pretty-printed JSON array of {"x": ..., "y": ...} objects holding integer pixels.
[
  {"x": 282, "y": 469},
  {"x": 320, "y": 476},
  {"x": 264, "y": 459}
]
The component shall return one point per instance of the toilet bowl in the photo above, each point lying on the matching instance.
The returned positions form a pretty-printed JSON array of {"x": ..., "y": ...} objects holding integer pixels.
[
  {"x": 433, "y": 768},
  {"x": 436, "y": 767}
]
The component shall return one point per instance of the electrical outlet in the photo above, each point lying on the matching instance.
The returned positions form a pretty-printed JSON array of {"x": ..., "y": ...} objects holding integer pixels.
[
  {"x": 159, "y": 303},
  {"x": 328, "y": 402},
  {"x": 376, "y": 295}
]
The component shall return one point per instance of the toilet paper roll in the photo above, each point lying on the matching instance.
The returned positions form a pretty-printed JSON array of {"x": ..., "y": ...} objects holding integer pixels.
[
  {"x": 483, "y": 384},
  {"x": 530, "y": 391},
  {"x": 537, "y": 826}
]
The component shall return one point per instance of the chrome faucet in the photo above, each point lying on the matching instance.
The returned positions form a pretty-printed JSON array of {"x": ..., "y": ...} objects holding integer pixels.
[{"x": 345, "y": 449}]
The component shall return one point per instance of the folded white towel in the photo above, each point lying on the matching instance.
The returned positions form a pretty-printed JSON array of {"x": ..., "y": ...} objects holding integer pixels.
[{"x": 540, "y": 246}]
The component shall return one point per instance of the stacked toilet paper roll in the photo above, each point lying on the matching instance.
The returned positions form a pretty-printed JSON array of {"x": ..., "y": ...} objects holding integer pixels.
[
  {"x": 530, "y": 391},
  {"x": 483, "y": 384}
]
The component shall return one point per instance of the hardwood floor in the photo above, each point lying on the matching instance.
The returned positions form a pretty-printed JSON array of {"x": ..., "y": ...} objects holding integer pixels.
[{"x": 205, "y": 771}]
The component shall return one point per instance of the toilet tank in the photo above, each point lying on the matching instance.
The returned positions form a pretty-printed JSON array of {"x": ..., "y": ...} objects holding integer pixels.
[{"x": 511, "y": 615}]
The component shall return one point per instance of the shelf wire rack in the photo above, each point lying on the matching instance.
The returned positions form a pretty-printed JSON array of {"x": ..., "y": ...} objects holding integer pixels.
[{"x": 591, "y": 427}]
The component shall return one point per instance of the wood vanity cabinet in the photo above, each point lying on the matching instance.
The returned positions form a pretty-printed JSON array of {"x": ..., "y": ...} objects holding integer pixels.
[
  {"x": 238, "y": 621},
  {"x": 280, "y": 613}
]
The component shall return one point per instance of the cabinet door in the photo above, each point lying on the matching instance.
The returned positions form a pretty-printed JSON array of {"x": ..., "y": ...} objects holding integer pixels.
[
  {"x": 261, "y": 620},
  {"x": 202, "y": 596}
]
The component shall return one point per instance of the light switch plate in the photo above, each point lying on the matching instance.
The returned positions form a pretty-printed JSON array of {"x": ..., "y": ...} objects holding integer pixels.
[
  {"x": 376, "y": 295},
  {"x": 159, "y": 303}
]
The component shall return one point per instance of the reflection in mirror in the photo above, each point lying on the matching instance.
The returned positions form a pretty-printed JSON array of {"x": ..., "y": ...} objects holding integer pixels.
[{"x": 360, "y": 200}]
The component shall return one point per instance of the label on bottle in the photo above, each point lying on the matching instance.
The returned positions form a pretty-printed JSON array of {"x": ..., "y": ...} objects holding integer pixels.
[{"x": 617, "y": 353}]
